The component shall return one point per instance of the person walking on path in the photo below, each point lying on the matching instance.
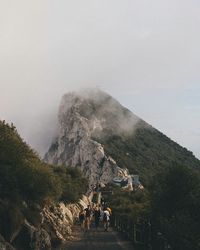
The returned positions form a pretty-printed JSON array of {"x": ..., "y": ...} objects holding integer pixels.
[
  {"x": 82, "y": 218},
  {"x": 106, "y": 219},
  {"x": 97, "y": 215},
  {"x": 88, "y": 212}
]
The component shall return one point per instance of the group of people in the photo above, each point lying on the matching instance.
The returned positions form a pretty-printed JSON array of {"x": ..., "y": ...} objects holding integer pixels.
[{"x": 94, "y": 214}]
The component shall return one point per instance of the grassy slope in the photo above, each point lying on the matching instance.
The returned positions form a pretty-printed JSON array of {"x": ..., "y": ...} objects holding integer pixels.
[{"x": 146, "y": 152}]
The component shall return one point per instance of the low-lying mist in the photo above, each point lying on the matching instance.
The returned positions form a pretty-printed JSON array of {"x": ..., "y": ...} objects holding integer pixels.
[{"x": 94, "y": 103}]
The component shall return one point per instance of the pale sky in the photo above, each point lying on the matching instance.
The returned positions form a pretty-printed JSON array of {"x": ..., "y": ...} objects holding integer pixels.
[{"x": 145, "y": 53}]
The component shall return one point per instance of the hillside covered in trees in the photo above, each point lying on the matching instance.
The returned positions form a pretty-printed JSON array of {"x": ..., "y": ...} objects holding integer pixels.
[
  {"x": 166, "y": 213},
  {"x": 170, "y": 202},
  {"x": 145, "y": 151},
  {"x": 27, "y": 184}
]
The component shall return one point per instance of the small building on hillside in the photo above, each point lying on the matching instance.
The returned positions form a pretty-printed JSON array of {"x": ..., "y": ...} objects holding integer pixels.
[{"x": 127, "y": 182}]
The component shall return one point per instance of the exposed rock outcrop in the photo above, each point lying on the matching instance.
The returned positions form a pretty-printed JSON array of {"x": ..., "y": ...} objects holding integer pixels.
[
  {"x": 82, "y": 116},
  {"x": 54, "y": 229},
  {"x": 31, "y": 237},
  {"x": 59, "y": 219}
]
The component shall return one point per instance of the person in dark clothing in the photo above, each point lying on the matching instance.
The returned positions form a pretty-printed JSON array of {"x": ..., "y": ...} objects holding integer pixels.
[
  {"x": 97, "y": 214},
  {"x": 87, "y": 217},
  {"x": 82, "y": 218}
]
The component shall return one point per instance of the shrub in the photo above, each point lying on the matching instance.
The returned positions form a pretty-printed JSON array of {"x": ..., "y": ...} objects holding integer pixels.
[{"x": 73, "y": 185}]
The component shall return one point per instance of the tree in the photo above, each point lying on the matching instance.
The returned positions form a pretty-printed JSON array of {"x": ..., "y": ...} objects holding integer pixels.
[{"x": 175, "y": 207}]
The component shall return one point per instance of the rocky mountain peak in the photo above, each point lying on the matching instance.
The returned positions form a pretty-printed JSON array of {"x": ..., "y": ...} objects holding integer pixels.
[
  {"x": 100, "y": 109},
  {"x": 82, "y": 116}
]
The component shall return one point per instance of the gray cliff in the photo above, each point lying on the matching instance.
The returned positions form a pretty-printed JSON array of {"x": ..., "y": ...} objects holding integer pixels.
[{"x": 83, "y": 116}]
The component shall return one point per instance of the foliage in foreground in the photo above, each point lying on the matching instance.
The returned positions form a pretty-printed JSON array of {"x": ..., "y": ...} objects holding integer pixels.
[
  {"x": 175, "y": 207},
  {"x": 171, "y": 204},
  {"x": 27, "y": 183}
]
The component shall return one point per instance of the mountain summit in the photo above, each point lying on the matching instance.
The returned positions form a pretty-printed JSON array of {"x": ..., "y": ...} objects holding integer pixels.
[
  {"x": 84, "y": 116},
  {"x": 100, "y": 136}
]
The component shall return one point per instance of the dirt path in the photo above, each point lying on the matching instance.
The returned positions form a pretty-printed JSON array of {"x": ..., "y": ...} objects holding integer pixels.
[{"x": 97, "y": 240}]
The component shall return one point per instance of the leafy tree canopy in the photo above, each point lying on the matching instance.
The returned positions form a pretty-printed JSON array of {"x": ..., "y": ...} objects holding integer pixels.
[{"x": 27, "y": 183}]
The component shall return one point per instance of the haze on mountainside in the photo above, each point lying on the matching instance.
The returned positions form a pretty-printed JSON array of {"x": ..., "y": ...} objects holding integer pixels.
[{"x": 98, "y": 135}]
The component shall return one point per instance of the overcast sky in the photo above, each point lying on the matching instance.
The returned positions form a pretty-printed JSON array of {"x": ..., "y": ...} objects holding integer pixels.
[{"x": 145, "y": 53}]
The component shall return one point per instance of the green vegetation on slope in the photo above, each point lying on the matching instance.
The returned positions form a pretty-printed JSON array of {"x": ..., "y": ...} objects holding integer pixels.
[
  {"x": 145, "y": 152},
  {"x": 134, "y": 204},
  {"x": 171, "y": 176},
  {"x": 22, "y": 175},
  {"x": 72, "y": 183},
  {"x": 27, "y": 183},
  {"x": 170, "y": 206},
  {"x": 175, "y": 199}
]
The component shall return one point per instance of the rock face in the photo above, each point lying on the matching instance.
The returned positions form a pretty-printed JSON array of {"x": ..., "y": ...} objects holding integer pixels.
[
  {"x": 30, "y": 237},
  {"x": 82, "y": 117},
  {"x": 57, "y": 222},
  {"x": 55, "y": 228}
]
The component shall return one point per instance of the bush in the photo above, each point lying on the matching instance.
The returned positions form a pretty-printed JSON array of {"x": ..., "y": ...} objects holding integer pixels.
[
  {"x": 22, "y": 174},
  {"x": 73, "y": 185},
  {"x": 175, "y": 206},
  {"x": 26, "y": 183},
  {"x": 134, "y": 204}
]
